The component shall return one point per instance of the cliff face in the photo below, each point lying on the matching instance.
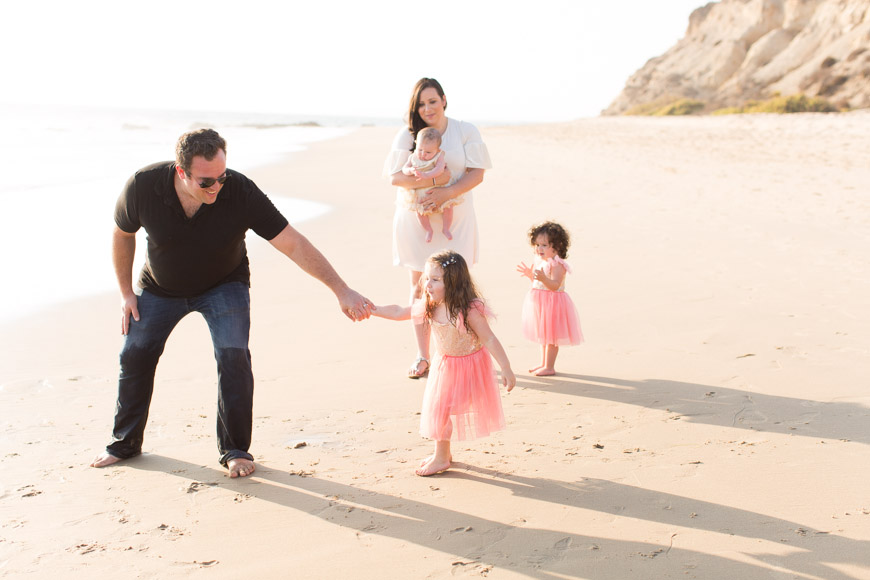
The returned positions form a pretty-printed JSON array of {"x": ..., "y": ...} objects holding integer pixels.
[{"x": 738, "y": 50}]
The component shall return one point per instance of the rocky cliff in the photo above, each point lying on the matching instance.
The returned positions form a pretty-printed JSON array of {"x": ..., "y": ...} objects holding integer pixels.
[{"x": 740, "y": 50}]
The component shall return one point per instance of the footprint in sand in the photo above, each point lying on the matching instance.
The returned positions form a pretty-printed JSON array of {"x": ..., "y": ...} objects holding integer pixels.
[
  {"x": 171, "y": 532},
  {"x": 749, "y": 417},
  {"x": 469, "y": 568},
  {"x": 195, "y": 486},
  {"x": 122, "y": 517},
  {"x": 748, "y": 414},
  {"x": 198, "y": 564},
  {"x": 29, "y": 491},
  {"x": 83, "y": 549},
  {"x": 563, "y": 544}
]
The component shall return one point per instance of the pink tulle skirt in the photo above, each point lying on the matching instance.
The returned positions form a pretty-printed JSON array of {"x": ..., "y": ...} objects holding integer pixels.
[
  {"x": 462, "y": 400},
  {"x": 550, "y": 318}
]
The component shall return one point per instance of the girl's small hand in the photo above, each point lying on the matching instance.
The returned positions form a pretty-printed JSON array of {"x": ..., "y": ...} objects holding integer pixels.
[
  {"x": 524, "y": 270},
  {"x": 508, "y": 379},
  {"x": 540, "y": 276}
]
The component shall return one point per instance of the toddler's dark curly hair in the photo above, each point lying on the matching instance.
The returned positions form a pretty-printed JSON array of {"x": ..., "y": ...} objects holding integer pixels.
[{"x": 557, "y": 236}]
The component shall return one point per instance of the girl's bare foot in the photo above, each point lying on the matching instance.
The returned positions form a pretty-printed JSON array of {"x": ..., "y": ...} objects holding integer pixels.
[
  {"x": 544, "y": 372},
  {"x": 432, "y": 458},
  {"x": 241, "y": 467},
  {"x": 536, "y": 369},
  {"x": 432, "y": 465}
]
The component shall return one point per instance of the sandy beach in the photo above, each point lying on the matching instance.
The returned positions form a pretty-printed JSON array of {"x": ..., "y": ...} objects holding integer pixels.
[{"x": 716, "y": 424}]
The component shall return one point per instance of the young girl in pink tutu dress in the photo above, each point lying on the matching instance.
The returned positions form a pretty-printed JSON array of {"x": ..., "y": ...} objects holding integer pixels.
[
  {"x": 549, "y": 315},
  {"x": 462, "y": 399}
]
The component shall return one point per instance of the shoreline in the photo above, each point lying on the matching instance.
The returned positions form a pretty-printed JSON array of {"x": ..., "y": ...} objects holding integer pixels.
[{"x": 708, "y": 428}]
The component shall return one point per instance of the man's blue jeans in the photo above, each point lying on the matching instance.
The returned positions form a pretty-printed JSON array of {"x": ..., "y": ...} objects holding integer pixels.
[{"x": 227, "y": 310}]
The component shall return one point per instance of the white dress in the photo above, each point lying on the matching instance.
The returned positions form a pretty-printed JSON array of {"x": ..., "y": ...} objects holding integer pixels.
[{"x": 463, "y": 149}]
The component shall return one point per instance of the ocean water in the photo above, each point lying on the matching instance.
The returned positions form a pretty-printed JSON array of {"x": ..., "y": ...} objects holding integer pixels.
[{"x": 62, "y": 170}]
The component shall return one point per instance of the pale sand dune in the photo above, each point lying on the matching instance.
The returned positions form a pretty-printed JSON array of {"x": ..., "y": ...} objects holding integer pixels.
[{"x": 721, "y": 271}]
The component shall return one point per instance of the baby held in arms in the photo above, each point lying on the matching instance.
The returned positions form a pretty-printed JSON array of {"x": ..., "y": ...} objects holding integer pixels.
[{"x": 425, "y": 163}]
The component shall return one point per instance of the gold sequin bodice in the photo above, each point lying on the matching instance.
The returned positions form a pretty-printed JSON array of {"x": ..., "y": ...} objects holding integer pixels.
[{"x": 451, "y": 341}]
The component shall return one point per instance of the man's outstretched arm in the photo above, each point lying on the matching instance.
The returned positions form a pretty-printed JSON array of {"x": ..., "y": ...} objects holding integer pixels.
[{"x": 297, "y": 247}]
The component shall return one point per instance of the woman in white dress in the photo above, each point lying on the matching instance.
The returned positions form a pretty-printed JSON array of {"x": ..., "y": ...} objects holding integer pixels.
[{"x": 467, "y": 158}]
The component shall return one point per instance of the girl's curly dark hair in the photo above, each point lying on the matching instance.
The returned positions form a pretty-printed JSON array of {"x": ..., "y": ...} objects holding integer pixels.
[{"x": 557, "y": 236}]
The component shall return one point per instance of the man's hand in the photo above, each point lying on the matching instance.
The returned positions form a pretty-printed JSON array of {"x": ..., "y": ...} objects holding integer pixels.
[
  {"x": 355, "y": 306},
  {"x": 123, "y": 251},
  {"x": 129, "y": 307}
]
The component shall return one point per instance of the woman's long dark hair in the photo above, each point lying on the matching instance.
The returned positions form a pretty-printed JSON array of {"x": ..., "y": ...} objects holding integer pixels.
[{"x": 415, "y": 121}]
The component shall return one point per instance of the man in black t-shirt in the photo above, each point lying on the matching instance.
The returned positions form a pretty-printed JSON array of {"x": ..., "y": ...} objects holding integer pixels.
[{"x": 196, "y": 213}]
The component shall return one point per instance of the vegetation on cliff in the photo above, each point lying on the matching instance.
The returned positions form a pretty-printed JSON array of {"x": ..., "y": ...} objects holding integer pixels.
[{"x": 679, "y": 106}]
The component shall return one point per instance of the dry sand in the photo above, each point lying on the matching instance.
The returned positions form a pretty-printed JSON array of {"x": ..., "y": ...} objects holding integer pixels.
[{"x": 715, "y": 425}]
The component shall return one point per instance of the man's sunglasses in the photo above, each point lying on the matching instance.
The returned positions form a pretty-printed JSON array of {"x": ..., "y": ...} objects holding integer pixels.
[{"x": 209, "y": 181}]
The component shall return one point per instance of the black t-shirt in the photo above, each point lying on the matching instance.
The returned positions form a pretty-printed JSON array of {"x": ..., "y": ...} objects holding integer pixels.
[{"x": 189, "y": 256}]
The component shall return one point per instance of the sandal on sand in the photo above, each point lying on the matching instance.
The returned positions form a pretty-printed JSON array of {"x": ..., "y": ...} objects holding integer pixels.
[{"x": 414, "y": 372}]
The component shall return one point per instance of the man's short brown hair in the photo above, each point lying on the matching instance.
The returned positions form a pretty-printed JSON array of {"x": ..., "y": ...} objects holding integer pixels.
[{"x": 200, "y": 143}]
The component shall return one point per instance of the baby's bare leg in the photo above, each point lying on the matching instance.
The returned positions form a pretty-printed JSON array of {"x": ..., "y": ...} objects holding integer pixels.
[
  {"x": 447, "y": 222},
  {"x": 424, "y": 221}
]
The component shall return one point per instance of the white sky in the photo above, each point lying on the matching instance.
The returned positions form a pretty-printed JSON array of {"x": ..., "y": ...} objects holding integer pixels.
[{"x": 541, "y": 60}]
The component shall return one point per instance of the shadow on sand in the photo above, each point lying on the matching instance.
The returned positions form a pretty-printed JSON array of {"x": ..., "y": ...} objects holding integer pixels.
[
  {"x": 697, "y": 403},
  {"x": 469, "y": 540}
]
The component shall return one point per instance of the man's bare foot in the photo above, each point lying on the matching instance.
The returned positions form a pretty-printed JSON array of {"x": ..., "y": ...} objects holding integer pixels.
[
  {"x": 536, "y": 369},
  {"x": 545, "y": 372},
  {"x": 104, "y": 459},
  {"x": 432, "y": 466},
  {"x": 241, "y": 467}
]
